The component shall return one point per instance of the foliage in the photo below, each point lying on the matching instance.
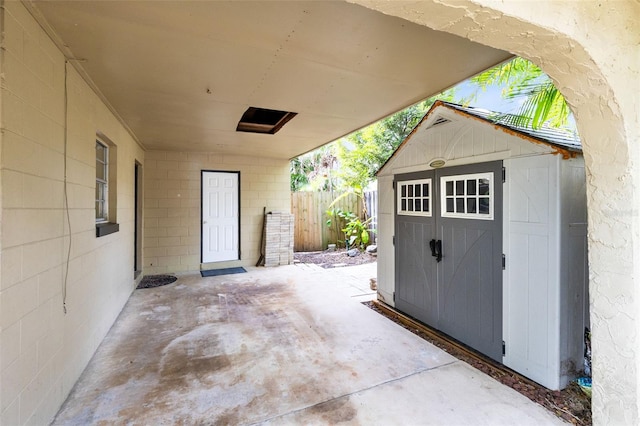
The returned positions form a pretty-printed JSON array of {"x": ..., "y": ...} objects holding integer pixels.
[
  {"x": 542, "y": 102},
  {"x": 299, "y": 170},
  {"x": 314, "y": 170},
  {"x": 335, "y": 219},
  {"x": 359, "y": 155},
  {"x": 362, "y": 153},
  {"x": 356, "y": 231}
]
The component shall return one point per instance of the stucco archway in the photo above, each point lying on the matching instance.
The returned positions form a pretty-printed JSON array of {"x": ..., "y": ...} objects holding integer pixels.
[{"x": 590, "y": 49}]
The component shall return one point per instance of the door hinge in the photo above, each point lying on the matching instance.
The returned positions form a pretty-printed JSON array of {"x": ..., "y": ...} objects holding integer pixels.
[
  {"x": 504, "y": 175},
  {"x": 394, "y": 296},
  {"x": 394, "y": 240},
  {"x": 394, "y": 184},
  {"x": 504, "y": 262},
  {"x": 504, "y": 348}
]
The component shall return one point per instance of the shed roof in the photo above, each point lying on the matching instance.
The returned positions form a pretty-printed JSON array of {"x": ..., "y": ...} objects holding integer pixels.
[
  {"x": 563, "y": 140},
  {"x": 559, "y": 137}
]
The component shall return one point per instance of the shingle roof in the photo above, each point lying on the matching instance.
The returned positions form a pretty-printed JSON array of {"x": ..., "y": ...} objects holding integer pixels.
[{"x": 562, "y": 138}]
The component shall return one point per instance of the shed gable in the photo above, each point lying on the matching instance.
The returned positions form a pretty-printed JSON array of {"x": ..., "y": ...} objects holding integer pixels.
[{"x": 457, "y": 138}]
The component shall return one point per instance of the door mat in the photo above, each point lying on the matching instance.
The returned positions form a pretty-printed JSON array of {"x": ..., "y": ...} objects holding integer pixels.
[
  {"x": 151, "y": 281},
  {"x": 225, "y": 271}
]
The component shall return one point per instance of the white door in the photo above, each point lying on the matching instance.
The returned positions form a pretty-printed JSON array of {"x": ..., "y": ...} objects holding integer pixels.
[
  {"x": 531, "y": 301},
  {"x": 220, "y": 216}
]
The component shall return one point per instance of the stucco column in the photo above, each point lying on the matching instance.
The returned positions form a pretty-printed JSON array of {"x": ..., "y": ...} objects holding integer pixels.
[{"x": 591, "y": 50}]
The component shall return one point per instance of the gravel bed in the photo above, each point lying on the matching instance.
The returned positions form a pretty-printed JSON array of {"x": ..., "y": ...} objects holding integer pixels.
[{"x": 333, "y": 259}]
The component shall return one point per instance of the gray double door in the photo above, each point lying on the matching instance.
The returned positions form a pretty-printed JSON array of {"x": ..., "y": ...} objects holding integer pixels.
[{"x": 448, "y": 248}]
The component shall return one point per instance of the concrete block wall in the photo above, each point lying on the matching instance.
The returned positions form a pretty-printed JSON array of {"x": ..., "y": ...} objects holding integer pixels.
[
  {"x": 43, "y": 351},
  {"x": 172, "y": 240}
]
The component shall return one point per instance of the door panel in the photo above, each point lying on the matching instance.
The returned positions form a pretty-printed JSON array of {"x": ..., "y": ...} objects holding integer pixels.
[
  {"x": 470, "y": 275},
  {"x": 467, "y": 283},
  {"x": 417, "y": 295},
  {"x": 470, "y": 298},
  {"x": 220, "y": 216},
  {"x": 416, "y": 290}
]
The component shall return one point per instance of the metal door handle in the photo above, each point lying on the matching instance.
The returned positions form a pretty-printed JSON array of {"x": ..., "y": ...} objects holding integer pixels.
[
  {"x": 432, "y": 245},
  {"x": 438, "y": 246}
]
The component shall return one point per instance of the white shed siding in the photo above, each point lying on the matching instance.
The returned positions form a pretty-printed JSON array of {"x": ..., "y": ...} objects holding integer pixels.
[
  {"x": 386, "y": 256},
  {"x": 531, "y": 312},
  {"x": 546, "y": 279},
  {"x": 574, "y": 296}
]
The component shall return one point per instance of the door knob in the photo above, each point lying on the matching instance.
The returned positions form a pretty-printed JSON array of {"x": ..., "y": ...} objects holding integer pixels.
[
  {"x": 438, "y": 250},
  {"x": 432, "y": 245}
]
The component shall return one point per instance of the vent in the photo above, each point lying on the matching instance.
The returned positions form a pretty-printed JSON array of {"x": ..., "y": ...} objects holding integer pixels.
[
  {"x": 261, "y": 120},
  {"x": 438, "y": 121}
]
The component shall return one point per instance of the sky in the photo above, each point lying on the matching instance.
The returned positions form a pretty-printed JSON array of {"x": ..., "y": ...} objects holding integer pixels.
[{"x": 490, "y": 99}]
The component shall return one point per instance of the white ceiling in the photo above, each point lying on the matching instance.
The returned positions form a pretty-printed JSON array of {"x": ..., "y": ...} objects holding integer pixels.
[{"x": 339, "y": 66}]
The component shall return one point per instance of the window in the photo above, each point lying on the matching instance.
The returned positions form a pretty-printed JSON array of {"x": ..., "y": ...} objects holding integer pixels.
[
  {"x": 467, "y": 196},
  {"x": 102, "y": 182},
  {"x": 414, "y": 197},
  {"x": 106, "y": 209}
]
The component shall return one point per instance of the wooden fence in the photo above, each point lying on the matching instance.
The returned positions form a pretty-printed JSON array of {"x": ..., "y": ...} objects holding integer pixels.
[{"x": 311, "y": 232}]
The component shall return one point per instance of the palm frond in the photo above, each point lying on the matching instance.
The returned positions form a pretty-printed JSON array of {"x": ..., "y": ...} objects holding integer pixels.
[
  {"x": 508, "y": 74},
  {"x": 522, "y": 80},
  {"x": 543, "y": 102},
  {"x": 512, "y": 120}
]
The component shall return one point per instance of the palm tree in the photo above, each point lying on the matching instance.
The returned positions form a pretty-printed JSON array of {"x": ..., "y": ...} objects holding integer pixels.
[
  {"x": 543, "y": 104},
  {"x": 313, "y": 170}
]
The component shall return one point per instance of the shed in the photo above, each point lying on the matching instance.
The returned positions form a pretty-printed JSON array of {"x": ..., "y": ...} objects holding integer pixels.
[{"x": 482, "y": 235}]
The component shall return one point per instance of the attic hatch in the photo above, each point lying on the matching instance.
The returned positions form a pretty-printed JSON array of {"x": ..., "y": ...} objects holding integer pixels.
[
  {"x": 262, "y": 120},
  {"x": 438, "y": 121}
]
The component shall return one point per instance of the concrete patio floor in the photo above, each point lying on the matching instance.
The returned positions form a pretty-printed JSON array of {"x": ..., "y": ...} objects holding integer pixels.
[{"x": 287, "y": 345}]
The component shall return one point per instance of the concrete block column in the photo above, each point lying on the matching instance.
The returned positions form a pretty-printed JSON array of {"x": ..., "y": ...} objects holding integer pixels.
[{"x": 278, "y": 239}]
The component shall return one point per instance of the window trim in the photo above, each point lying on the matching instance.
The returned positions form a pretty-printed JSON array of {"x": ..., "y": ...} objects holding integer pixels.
[
  {"x": 464, "y": 177},
  {"x": 106, "y": 228},
  {"x": 105, "y": 182},
  {"x": 400, "y": 184},
  {"x": 108, "y": 224}
]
